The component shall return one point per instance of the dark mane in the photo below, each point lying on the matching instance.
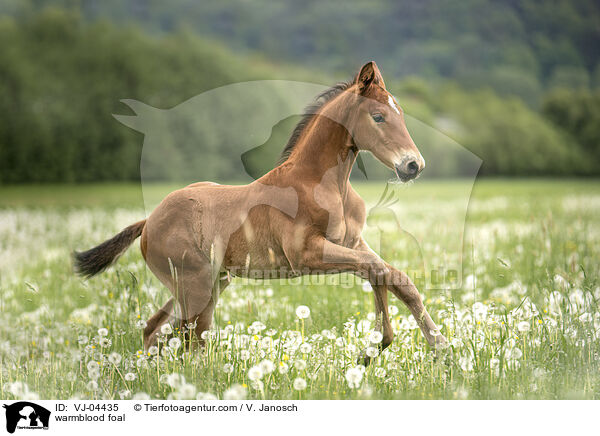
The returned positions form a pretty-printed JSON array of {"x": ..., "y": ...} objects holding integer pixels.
[{"x": 309, "y": 113}]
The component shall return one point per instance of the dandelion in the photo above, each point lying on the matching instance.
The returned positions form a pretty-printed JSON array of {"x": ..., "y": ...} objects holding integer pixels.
[
  {"x": 244, "y": 355},
  {"x": 305, "y": 348},
  {"x": 153, "y": 350},
  {"x": 228, "y": 368},
  {"x": 18, "y": 389},
  {"x": 104, "y": 342},
  {"x": 141, "y": 396},
  {"x": 375, "y": 337},
  {"x": 82, "y": 340},
  {"x": 175, "y": 380},
  {"x": 185, "y": 391},
  {"x": 267, "y": 366},
  {"x": 103, "y": 332},
  {"x": 302, "y": 312},
  {"x": 300, "y": 364},
  {"x": 114, "y": 358},
  {"x": 235, "y": 392},
  {"x": 283, "y": 368},
  {"x": 174, "y": 343},
  {"x": 299, "y": 384},
  {"x": 354, "y": 377},
  {"x": 523, "y": 326},
  {"x": 92, "y": 386},
  {"x": 515, "y": 353},
  {"x": 206, "y": 396},
  {"x": 380, "y": 372},
  {"x": 166, "y": 329},
  {"x": 255, "y": 373},
  {"x": 92, "y": 365},
  {"x": 124, "y": 394},
  {"x": 130, "y": 376},
  {"x": 372, "y": 352}
]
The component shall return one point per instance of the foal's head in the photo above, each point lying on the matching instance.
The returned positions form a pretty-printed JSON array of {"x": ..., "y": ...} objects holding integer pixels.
[{"x": 377, "y": 125}]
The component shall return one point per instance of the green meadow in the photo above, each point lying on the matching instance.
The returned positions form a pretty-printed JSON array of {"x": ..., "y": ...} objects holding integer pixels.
[{"x": 523, "y": 323}]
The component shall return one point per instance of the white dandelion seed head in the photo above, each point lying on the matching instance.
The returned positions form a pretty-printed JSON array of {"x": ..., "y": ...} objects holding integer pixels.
[
  {"x": 175, "y": 380},
  {"x": 103, "y": 331},
  {"x": 166, "y": 329},
  {"x": 514, "y": 354},
  {"x": 523, "y": 326},
  {"x": 267, "y": 366},
  {"x": 153, "y": 350},
  {"x": 306, "y": 348},
  {"x": 130, "y": 376},
  {"x": 283, "y": 368},
  {"x": 354, "y": 376},
  {"x": 235, "y": 392},
  {"x": 299, "y": 384},
  {"x": 255, "y": 373},
  {"x": 300, "y": 364},
  {"x": 302, "y": 312},
  {"x": 114, "y": 358},
  {"x": 174, "y": 343},
  {"x": 244, "y": 355},
  {"x": 92, "y": 386},
  {"x": 92, "y": 365},
  {"x": 372, "y": 352},
  {"x": 375, "y": 337},
  {"x": 185, "y": 391}
]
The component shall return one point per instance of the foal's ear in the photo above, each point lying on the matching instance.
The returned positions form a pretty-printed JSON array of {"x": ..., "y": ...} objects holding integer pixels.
[{"x": 369, "y": 74}]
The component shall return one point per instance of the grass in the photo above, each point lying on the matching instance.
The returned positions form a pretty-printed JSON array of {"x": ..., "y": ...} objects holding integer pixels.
[{"x": 523, "y": 324}]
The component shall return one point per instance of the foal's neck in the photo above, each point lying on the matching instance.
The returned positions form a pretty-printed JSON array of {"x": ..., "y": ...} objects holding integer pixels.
[{"x": 327, "y": 153}]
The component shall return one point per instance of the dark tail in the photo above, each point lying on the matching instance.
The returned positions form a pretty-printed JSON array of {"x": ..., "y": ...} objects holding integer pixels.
[{"x": 94, "y": 261}]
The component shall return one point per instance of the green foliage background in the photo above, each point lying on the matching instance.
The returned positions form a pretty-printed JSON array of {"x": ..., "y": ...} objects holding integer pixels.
[{"x": 514, "y": 82}]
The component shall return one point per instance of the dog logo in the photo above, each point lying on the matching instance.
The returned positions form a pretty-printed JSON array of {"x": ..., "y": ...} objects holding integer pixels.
[{"x": 26, "y": 415}]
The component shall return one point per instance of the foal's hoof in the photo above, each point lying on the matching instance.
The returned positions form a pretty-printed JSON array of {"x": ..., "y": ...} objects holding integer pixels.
[
  {"x": 440, "y": 345},
  {"x": 363, "y": 359}
]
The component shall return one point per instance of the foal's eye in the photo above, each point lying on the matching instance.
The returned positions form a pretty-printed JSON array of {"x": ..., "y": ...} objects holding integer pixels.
[{"x": 378, "y": 118}]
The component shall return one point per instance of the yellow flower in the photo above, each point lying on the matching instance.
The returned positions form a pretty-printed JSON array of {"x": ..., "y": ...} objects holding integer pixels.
[{"x": 286, "y": 357}]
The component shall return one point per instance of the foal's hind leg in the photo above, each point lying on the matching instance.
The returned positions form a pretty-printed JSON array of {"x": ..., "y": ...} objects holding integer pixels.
[
  {"x": 165, "y": 314},
  {"x": 203, "y": 321}
]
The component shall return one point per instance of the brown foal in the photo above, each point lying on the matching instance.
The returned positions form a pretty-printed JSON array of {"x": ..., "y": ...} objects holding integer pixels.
[{"x": 303, "y": 217}]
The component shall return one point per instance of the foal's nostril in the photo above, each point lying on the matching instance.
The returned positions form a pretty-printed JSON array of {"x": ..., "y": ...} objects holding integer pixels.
[{"x": 412, "y": 167}]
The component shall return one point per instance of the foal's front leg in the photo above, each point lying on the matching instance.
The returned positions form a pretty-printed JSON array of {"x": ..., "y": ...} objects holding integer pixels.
[{"x": 323, "y": 255}]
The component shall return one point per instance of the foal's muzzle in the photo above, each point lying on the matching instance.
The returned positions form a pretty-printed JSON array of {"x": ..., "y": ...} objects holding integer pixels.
[{"x": 409, "y": 168}]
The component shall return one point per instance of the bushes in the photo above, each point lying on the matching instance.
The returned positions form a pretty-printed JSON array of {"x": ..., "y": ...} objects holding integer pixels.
[{"x": 61, "y": 79}]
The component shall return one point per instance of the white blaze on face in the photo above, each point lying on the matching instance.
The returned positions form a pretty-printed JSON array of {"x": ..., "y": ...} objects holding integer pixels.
[{"x": 393, "y": 104}]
